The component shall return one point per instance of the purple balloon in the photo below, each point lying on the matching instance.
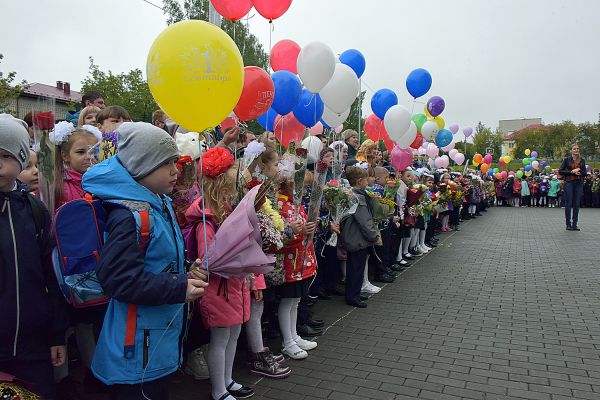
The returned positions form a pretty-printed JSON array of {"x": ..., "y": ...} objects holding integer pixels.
[
  {"x": 534, "y": 154},
  {"x": 453, "y": 128},
  {"x": 467, "y": 131},
  {"x": 435, "y": 106},
  {"x": 544, "y": 164},
  {"x": 588, "y": 168}
]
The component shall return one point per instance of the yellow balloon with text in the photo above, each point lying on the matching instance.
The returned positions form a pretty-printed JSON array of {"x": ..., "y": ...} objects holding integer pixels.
[{"x": 195, "y": 73}]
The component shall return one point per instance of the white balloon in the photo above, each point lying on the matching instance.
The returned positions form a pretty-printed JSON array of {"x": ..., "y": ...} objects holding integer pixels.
[
  {"x": 339, "y": 129},
  {"x": 429, "y": 130},
  {"x": 431, "y": 162},
  {"x": 409, "y": 136},
  {"x": 341, "y": 90},
  {"x": 453, "y": 153},
  {"x": 397, "y": 121},
  {"x": 421, "y": 151},
  {"x": 432, "y": 150},
  {"x": 449, "y": 147},
  {"x": 334, "y": 119},
  {"x": 442, "y": 162},
  {"x": 316, "y": 64},
  {"x": 313, "y": 145},
  {"x": 459, "y": 158}
]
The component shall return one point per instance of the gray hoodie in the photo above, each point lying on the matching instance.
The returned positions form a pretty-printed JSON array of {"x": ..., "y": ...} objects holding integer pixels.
[{"x": 359, "y": 230}]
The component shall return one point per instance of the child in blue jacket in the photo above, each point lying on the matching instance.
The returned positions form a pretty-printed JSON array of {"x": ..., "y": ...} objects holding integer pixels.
[
  {"x": 32, "y": 331},
  {"x": 141, "y": 339}
]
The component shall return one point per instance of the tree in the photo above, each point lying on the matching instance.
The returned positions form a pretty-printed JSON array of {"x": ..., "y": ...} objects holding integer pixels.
[
  {"x": 128, "y": 90},
  {"x": 485, "y": 139},
  {"x": 9, "y": 90},
  {"x": 353, "y": 121},
  {"x": 553, "y": 141},
  {"x": 250, "y": 48}
]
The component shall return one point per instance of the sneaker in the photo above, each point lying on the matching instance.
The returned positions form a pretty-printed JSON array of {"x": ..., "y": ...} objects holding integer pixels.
[
  {"x": 371, "y": 289},
  {"x": 423, "y": 250},
  {"x": 305, "y": 344},
  {"x": 294, "y": 352},
  {"x": 264, "y": 364},
  {"x": 280, "y": 358},
  {"x": 408, "y": 256},
  {"x": 575, "y": 228},
  {"x": 196, "y": 365}
]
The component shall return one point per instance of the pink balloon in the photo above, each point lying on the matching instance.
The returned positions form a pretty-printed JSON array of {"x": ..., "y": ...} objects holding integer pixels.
[
  {"x": 339, "y": 129},
  {"x": 233, "y": 10},
  {"x": 401, "y": 158},
  {"x": 317, "y": 129},
  {"x": 272, "y": 9},
  {"x": 431, "y": 162},
  {"x": 467, "y": 131},
  {"x": 432, "y": 150},
  {"x": 459, "y": 158},
  {"x": 501, "y": 162},
  {"x": 422, "y": 151},
  {"x": 453, "y": 128},
  {"x": 442, "y": 162},
  {"x": 504, "y": 174},
  {"x": 284, "y": 56},
  {"x": 449, "y": 147},
  {"x": 487, "y": 159},
  {"x": 453, "y": 153},
  {"x": 511, "y": 173}
]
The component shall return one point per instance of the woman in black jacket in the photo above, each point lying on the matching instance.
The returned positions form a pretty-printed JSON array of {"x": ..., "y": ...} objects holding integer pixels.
[{"x": 572, "y": 170}]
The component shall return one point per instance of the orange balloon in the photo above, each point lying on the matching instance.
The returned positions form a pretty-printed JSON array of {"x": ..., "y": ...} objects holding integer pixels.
[
  {"x": 484, "y": 167},
  {"x": 477, "y": 159}
]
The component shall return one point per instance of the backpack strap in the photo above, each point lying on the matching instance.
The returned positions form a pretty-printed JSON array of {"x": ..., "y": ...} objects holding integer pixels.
[
  {"x": 130, "y": 327},
  {"x": 38, "y": 212}
]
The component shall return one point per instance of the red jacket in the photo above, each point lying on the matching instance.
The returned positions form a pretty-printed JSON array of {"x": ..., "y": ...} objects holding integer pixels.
[
  {"x": 226, "y": 302},
  {"x": 299, "y": 261},
  {"x": 72, "y": 189},
  {"x": 517, "y": 186}
]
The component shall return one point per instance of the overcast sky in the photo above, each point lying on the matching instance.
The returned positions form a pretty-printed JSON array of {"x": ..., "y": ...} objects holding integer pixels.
[{"x": 490, "y": 59}]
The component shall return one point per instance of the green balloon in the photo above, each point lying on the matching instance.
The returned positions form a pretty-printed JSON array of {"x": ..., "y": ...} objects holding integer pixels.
[
  {"x": 526, "y": 161},
  {"x": 519, "y": 174},
  {"x": 419, "y": 120},
  {"x": 496, "y": 170}
]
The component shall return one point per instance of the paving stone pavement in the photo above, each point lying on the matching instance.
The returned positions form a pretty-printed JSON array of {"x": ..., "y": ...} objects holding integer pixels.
[{"x": 507, "y": 308}]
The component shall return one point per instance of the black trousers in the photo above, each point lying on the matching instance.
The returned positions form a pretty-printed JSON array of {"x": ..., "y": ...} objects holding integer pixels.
[
  {"x": 355, "y": 269},
  {"x": 154, "y": 390},
  {"x": 385, "y": 252},
  {"x": 328, "y": 272},
  {"x": 39, "y": 373}
]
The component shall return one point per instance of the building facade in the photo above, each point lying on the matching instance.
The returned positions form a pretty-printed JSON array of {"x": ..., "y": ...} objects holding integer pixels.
[
  {"x": 37, "y": 96},
  {"x": 509, "y": 126}
]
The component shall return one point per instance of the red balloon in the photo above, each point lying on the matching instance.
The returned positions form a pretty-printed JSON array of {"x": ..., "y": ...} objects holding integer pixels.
[
  {"x": 284, "y": 56},
  {"x": 228, "y": 123},
  {"x": 374, "y": 127},
  {"x": 257, "y": 95},
  {"x": 389, "y": 143},
  {"x": 233, "y": 10},
  {"x": 288, "y": 129},
  {"x": 418, "y": 141},
  {"x": 272, "y": 9}
]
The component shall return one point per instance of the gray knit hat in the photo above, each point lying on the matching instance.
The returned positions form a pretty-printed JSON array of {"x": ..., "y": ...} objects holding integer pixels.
[
  {"x": 14, "y": 138},
  {"x": 144, "y": 147},
  {"x": 348, "y": 133}
]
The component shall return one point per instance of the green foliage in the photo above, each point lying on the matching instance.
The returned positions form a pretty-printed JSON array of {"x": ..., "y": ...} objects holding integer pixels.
[
  {"x": 128, "y": 90},
  {"x": 9, "y": 90},
  {"x": 353, "y": 121},
  {"x": 250, "y": 48},
  {"x": 554, "y": 141},
  {"x": 484, "y": 138}
]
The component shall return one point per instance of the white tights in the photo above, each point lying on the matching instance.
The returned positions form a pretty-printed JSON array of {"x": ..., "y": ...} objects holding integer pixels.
[
  {"x": 221, "y": 353},
  {"x": 253, "y": 327},
  {"x": 422, "y": 233},
  {"x": 414, "y": 236},
  {"x": 288, "y": 316}
]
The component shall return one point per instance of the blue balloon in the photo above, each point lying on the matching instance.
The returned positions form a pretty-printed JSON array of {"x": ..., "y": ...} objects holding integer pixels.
[
  {"x": 418, "y": 82},
  {"x": 267, "y": 120},
  {"x": 309, "y": 109},
  {"x": 528, "y": 168},
  {"x": 355, "y": 60},
  {"x": 382, "y": 100},
  {"x": 287, "y": 91},
  {"x": 325, "y": 124},
  {"x": 443, "y": 138}
]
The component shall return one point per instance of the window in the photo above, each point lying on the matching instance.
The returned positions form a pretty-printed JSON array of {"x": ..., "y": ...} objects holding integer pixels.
[{"x": 511, "y": 145}]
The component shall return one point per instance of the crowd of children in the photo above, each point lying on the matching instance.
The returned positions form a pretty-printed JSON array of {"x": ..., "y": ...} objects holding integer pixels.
[{"x": 335, "y": 221}]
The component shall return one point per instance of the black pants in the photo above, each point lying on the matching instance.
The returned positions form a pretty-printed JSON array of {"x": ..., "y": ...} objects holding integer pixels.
[
  {"x": 328, "y": 272},
  {"x": 355, "y": 269},
  {"x": 385, "y": 253},
  {"x": 38, "y": 373},
  {"x": 154, "y": 390},
  {"x": 572, "y": 195}
]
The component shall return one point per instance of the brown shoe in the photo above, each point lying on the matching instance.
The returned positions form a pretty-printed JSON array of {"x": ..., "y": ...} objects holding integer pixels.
[
  {"x": 279, "y": 358},
  {"x": 264, "y": 364}
]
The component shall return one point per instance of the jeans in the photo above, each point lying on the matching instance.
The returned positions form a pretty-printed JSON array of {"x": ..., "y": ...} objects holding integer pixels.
[{"x": 572, "y": 192}]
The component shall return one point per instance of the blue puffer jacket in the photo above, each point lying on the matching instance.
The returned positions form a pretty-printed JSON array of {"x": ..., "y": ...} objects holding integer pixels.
[
  {"x": 142, "y": 331},
  {"x": 33, "y": 312}
]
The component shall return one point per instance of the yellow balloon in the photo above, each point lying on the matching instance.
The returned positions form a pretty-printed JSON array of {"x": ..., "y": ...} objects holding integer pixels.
[
  {"x": 527, "y": 152},
  {"x": 429, "y": 116},
  {"x": 528, "y": 173},
  {"x": 195, "y": 73},
  {"x": 439, "y": 121},
  {"x": 507, "y": 159}
]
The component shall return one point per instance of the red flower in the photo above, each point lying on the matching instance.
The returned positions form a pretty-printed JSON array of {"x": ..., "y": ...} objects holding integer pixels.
[
  {"x": 44, "y": 120},
  {"x": 183, "y": 160},
  {"x": 301, "y": 152},
  {"x": 252, "y": 183},
  {"x": 321, "y": 166},
  {"x": 216, "y": 161},
  {"x": 334, "y": 182}
]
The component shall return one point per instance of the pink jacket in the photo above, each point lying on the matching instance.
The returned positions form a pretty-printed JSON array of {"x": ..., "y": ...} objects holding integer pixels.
[
  {"x": 72, "y": 189},
  {"x": 226, "y": 302}
]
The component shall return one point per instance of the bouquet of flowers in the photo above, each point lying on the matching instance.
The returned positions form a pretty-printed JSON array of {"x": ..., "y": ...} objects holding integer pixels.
[
  {"x": 271, "y": 225},
  {"x": 340, "y": 202},
  {"x": 300, "y": 172},
  {"x": 391, "y": 189},
  {"x": 43, "y": 123}
]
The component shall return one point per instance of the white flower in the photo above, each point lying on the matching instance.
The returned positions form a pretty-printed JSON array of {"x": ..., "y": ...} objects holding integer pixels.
[
  {"x": 61, "y": 132},
  {"x": 287, "y": 168},
  {"x": 94, "y": 131},
  {"x": 254, "y": 148}
]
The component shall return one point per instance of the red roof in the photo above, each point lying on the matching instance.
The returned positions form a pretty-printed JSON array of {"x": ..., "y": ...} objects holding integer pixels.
[
  {"x": 511, "y": 136},
  {"x": 39, "y": 89}
]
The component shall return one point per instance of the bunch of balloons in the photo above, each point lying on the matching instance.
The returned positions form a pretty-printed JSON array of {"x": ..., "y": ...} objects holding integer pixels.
[{"x": 234, "y": 10}]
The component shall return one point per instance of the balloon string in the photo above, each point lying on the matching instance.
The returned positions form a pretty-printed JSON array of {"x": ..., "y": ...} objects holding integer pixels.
[
  {"x": 359, "y": 109},
  {"x": 205, "y": 261},
  {"x": 271, "y": 27}
]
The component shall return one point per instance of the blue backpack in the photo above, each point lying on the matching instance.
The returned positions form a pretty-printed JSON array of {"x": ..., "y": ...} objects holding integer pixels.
[{"x": 79, "y": 230}]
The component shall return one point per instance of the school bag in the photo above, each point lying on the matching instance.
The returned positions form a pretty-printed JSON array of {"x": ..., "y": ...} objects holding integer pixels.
[
  {"x": 190, "y": 239},
  {"x": 79, "y": 230}
]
